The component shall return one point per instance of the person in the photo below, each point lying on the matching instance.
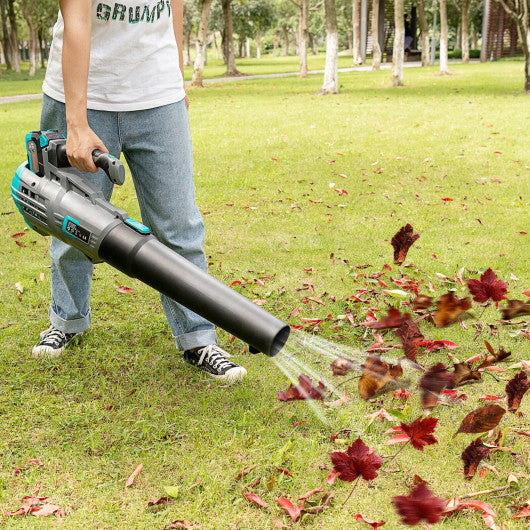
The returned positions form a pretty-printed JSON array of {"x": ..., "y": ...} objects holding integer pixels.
[
  {"x": 114, "y": 82},
  {"x": 408, "y": 34}
]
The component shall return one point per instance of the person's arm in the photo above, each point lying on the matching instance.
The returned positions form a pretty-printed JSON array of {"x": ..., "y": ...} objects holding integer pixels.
[
  {"x": 81, "y": 140},
  {"x": 177, "y": 8}
]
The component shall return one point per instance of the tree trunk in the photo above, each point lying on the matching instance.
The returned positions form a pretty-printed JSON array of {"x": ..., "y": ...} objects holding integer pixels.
[
  {"x": 444, "y": 69},
  {"x": 458, "y": 37},
  {"x": 202, "y": 35},
  {"x": 356, "y": 23},
  {"x": 6, "y": 41},
  {"x": 303, "y": 36},
  {"x": 259, "y": 35},
  {"x": 285, "y": 33},
  {"x": 231, "y": 69},
  {"x": 465, "y": 31},
  {"x": 474, "y": 39},
  {"x": 523, "y": 28},
  {"x": 424, "y": 25},
  {"x": 186, "y": 47},
  {"x": 13, "y": 36},
  {"x": 398, "y": 51},
  {"x": 376, "y": 49},
  {"x": 331, "y": 78}
]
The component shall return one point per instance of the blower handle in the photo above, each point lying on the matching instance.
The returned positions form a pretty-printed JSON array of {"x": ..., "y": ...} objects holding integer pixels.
[
  {"x": 111, "y": 165},
  {"x": 108, "y": 163}
]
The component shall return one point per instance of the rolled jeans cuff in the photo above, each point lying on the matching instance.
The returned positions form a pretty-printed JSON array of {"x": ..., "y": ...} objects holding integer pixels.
[
  {"x": 196, "y": 339},
  {"x": 77, "y": 325}
]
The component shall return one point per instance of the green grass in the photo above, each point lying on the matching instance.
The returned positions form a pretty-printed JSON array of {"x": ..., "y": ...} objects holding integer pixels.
[{"x": 121, "y": 395}]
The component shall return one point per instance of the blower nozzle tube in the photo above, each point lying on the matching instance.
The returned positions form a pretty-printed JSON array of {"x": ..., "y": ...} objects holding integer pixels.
[{"x": 142, "y": 256}]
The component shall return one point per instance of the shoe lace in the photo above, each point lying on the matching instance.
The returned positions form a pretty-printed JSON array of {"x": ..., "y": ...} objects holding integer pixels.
[
  {"x": 54, "y": 336},
  {"x": 215, "y": 356}
]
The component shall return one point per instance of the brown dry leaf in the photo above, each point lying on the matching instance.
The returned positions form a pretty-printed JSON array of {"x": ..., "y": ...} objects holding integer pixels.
[
  {"x": 432, "y": 383},
  {"x": 245, "y": 470},
  {"x": 449, "y": 308},
  {"x": 481, "y": 420},
  {"x": 134, "y": 474},
  {"x": 161, "y": 501},
  {"x": 410, "y": 336},
  {"x": 493, "y": 357},
  {"x": 515, "y": 308},
  {"x": 422, "y": 302},
  {"x": 463, "y": 373},
  {"x": 341, "y": 366},
  {"x": 337, "y": 402},
  {"x": 377, "y": 376}
]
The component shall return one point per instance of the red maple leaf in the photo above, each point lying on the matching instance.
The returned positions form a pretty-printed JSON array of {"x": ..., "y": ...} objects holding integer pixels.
[
  {"x": 419, "y": 505},
  {"x": 402, "y": 241},
  {"x": 516, "y": 388},
  {"x": 472, "y": 456},
  {"x": 420, "y": 432},
  {"x": 357, "y": 461},
  {"x": 304, "y": 390},
  {"x": 489, "y": 286}
]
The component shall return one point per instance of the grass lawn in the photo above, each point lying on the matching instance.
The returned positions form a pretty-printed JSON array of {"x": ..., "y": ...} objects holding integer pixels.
[{"x": 302, "y": 193}]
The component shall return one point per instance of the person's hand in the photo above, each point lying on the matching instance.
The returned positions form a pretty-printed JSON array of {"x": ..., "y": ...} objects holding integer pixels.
[
  {"x": 80, "y": 143},
  {"x": 187, "y": 101}
]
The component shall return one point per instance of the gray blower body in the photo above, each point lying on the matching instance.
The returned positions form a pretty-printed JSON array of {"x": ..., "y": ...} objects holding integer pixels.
[{"x": 56, "y": 200}]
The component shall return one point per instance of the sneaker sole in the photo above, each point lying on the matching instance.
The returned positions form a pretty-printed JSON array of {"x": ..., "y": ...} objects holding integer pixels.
[
  {"x": 46, "y": 351},
  {"x": 232, "y": 376}
]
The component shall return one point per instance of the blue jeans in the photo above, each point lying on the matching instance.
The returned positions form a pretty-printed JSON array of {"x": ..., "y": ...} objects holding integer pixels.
[{"x": 157, "y": 146}]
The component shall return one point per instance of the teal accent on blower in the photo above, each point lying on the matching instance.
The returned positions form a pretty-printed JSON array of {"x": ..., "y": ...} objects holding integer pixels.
[{"x": 15, "y": 188}]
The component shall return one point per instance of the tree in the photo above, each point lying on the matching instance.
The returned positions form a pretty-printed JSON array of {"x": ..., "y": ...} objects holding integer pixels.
[
  {"x": 356, "y": 25},
  {"x": 202, "y": 35},
  {"x": 376, "y": 49},
  {"x": 228, "y": 40},
  {"x": 444, "y": 37},
  {"x": 424, "y": 38},
  {"x": 519, "y": 11},
  {"x": 331, "y": 78},
  {"x": 10, "y": 34},
  {"x": 398, "y": 51},
  {"x": 465, "y": 30}
]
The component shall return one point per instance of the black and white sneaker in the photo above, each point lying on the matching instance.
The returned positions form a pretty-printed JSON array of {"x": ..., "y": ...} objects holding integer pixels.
[
  {"x": 52, "y": 343},
  {"x": 213, "y": 360}
]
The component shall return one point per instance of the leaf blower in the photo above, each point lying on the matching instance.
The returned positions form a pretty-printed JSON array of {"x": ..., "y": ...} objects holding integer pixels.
[{"x": 55, "y": 199}]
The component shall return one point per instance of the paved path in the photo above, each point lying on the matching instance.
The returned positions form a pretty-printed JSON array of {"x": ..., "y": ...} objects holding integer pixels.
[{"x": 387, "y": 66}]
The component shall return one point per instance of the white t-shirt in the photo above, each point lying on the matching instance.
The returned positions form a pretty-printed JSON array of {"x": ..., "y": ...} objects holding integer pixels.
[{"x": 134, "y": 59}]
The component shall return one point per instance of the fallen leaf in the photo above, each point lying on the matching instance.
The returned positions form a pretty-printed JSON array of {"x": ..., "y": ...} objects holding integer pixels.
[
  {"x": 337, "y": 402},
  {"x": 431, "y": 345},
  {"x": 292, "y": 510},
  {"x": 419, "y": 505},
  {"x": 374, "y": 524},
  {"x": 463, "y": 373},
  {"x": 357, "y": 461},
  {"x": 402, "y": 241},
  {"x": 182, "y": 525},
  {"x": 448, "y": 308},
  {"x": 523, "y": 514},
  {"x": 483, "y": 419},
  {"x": 516, "y": 389},
  {"x": 341, "y": 366},
  {"x": 161, "y": 501},
  {"x": 304, "y": 390},
  {"x": 488, "y": 287},
  {"x": 130, "y": 481},
  {"x": 394, "y": 319},
  {"x": 515, "y": 308},
  {"x": 493, "y": 357},
  {"x": 432, "y": 383},
  {"x": 377, "y": 376},
  {"x": 411, "y": 337},
  {"x": 420, "y": 431},
  {"x": 252, "y": 497},
  {"x": 422, "y": 302},
  {"x": 472, "y": 455}
]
